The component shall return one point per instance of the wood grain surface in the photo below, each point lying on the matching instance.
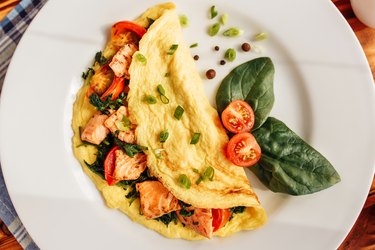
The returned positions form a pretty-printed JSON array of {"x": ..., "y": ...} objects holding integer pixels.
[{"x": 362, "y": 235}]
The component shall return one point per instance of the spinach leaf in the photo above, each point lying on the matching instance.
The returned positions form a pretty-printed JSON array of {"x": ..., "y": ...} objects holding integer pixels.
[
  {"x": 130, "y": 149},
  {"x": 103, "y": 149},
  {"x": 107, "y": 103},
  {"x": 251, "y": 82},
  {"x": 168, "y": 218},
  {"x": 288, "y": 164}
]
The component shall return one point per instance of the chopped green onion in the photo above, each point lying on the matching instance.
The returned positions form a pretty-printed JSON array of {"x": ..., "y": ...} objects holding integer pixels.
[
  {"x": 150, "y": 99},
  {"x": 184, "y": 181},
  {"x": 214, "y": 29},
  {"x": 230, "y": 55},
  {"x": 150, "y": 21},
  {"x": 194, "y": 45},
  {"x": 100, "y": 58},
  {"x": 195, "y": 170},
  {"x": 164, "y": 136},
  {"x": 213, "y": 12},
  {"x": 232, "y": 32},
  {"x": 166, "y": 74},
  {"x": 195, "y": 138},
  {"x": 158, "y": 152},
  {"x": 184, "y": 21},
  {"x": 178, "y": 112},
  {"x": 224, "y": 19},
  {"x": 124, "y": 124},
  {"x": 141, "y": 58},
  {"x": 209, "y": 174},
  {"x": 172, "y": 49},
  {"x": 199, "y": 180},
  {"x": 261, "y": 36},
  {"x": 164, "y": 99},
  {"x": 161, "y": 90}
]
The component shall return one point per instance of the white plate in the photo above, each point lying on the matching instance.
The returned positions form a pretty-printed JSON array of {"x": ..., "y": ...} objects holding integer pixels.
[{"x": 324, "y": 91}]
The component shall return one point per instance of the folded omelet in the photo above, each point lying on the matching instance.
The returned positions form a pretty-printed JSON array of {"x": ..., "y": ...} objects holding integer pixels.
[{"x": 167, "y": 62}]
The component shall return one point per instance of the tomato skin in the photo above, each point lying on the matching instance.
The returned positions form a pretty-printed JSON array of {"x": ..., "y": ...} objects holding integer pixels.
[
  {"x": 109, "y": 166},
  {"x": 238, "y": 117},
  {"x": 243, "y": 150},
  {"x": 220, "y": 217},
  {"x": 122, "y": 26},
  {"x": 115, "y": 89}
]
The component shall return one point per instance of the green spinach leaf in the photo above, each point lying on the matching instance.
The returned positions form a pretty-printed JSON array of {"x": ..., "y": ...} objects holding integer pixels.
[
  {"x": 252, "y": 82},
  {"x": 288, "y": 164}
]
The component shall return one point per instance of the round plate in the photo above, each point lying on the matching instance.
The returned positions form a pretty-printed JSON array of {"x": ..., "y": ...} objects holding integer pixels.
[{"x": 324, "y": 92}]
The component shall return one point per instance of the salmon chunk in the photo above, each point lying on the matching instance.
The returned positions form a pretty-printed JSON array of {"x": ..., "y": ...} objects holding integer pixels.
[
  {"x": 95, "y": 131},
  {"x": 121, "y": 60},
  {"x": 129, "y": 168},
  {"x": 117, "y": 117},
  {"x": 200, "y": 221},
  {"x": 156, "y": 200}
]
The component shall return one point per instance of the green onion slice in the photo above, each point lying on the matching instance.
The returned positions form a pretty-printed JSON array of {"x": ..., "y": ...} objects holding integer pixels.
[
  {"x": 230, "y": 55},
  {"x": 184, "y": 181},
  {"x": 194, "y": 45},
  {"x": 195, "y": 138},
  {"x": 209, "y": 174},
  {"x": 261, "y": 36},
  {"x": 141, "y": 58},
  {"x": 184, "y": 21},
  {"x": 172, "y": 49},
  {"x": 224, "y": 19},
  {"x": 164, "y": 136},
  {"x": 150, "y": 99},
  {"x": 232, "y": 32},
  {"x": 161, "y": 89},
  {"x": 164, "y": 99},
  {"x": 213, "y": 12},
  {"x": 214, "y": 29},
  {"x": 178, "y": 112}
]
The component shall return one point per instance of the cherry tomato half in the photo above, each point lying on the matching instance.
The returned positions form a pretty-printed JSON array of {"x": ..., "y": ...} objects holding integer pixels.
[
  {"x": 243, "y": 150},
  {"x": 109, "y": 166},
  {"x": 238, "y": 117},
  {"x": 115, "y": 89},
  {"x": 220, "y": 217}
]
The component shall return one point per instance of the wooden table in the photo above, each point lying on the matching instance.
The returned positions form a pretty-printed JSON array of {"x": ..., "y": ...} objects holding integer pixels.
[{"x": 362, "y": 235}]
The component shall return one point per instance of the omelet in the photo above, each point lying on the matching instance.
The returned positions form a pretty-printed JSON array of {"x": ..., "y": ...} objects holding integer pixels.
[{"x": 179, "y": 133}]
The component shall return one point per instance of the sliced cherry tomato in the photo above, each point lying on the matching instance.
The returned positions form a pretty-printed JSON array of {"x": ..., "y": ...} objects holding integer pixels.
[
  {"x": 115, "y": 89},
  {"x": 102, "y": 79},
  {"x": 122, "y": 26},
  {"x": 89, "y": 92},
  {"x": 109, "y": 166},
  {"x": 238, "y": 117},
  {"x": 243, "y": 150},
  {"x": 220, "y": 217}
]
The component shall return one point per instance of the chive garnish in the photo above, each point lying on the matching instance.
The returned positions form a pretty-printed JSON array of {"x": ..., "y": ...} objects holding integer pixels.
[
  {"x": 150, "y": 99},
  {"x": 141, "y": 58},
  {"x": 178, "y": 112},
  {"x": 194, "y": 45},
  {"x": 164, "y": 99},
  {"x": 172, "y": 49},
  {"x": 230, "y": 55},
  {"x": 224, "y": 19},
  {"x": 163, "y": 136},
  {"x": 261, "y": 36},
  {"x": 232, "y": 32},
  {"x": 213, "y": 12},
  {"x": 184, "y": 21},
  {"x": 161, "y": 90},
  {"x": 195, "y": 138},
  {"x": 209, "y": 174},
  {"x": 184, "y": 181},
  {"x": 166, "y": 74},
  {"x": 214, "y": 29}
]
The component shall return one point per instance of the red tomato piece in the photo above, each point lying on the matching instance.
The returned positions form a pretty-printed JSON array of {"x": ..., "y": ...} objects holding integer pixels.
[
  {"x": 243, "y": 150},
  {"x": 115, "y": 89},
  {"x": 220, "y": 217},
  {"x": 238, "y": 117},
  {"x": 109, "y": 166},
  {"x": 122, "y": 26}
]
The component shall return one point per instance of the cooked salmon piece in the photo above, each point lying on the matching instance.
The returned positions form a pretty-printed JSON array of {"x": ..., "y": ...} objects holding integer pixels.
[
  {"x": 121, "y": 60},
  {"x": 129, "y": 168},
  {"x": 200, "y": 221},
  {"x": 156, "y": 200},
  {"x": 117, "y": 117},
  {"x": 95, "y": 131}
]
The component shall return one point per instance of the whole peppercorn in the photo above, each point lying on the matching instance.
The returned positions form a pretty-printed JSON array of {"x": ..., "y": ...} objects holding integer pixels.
[
  {"x": 217, "y": 48},
  {"x": 246, "y": 47},
  {"x": 196, "y": 57},
  {"x": 222, "y": 62},
  {"x": 210, "y": 74}
]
